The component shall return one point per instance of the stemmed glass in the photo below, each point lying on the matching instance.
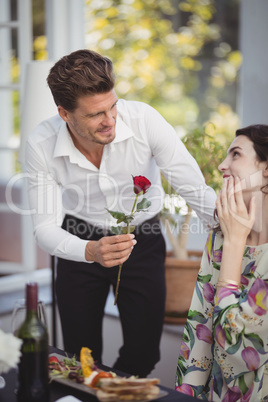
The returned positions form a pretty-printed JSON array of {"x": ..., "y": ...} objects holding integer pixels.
[
  {"x": 19, "y": 314},
  {"x": 2, "y": 382}
]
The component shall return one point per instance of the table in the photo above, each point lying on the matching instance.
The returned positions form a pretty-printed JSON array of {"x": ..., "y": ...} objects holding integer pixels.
[{"x": 59, "y": 390}]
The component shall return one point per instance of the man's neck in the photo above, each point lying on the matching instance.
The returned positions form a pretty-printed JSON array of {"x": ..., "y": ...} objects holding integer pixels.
[{"x": 92, "y": 151}]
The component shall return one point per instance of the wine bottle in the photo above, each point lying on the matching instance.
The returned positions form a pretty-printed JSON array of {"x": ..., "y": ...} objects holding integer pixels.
[{"x": 33, "y": 378}]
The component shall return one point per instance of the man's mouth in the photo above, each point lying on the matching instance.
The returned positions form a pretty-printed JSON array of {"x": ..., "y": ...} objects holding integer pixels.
[{"x": 106, "y": 130}]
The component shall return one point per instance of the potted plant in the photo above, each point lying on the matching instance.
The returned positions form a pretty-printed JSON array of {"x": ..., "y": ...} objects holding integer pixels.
[{"x": 182, "y": 265}]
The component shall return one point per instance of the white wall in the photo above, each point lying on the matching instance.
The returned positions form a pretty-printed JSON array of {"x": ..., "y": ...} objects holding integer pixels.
[{"x": 253, "y": 96}]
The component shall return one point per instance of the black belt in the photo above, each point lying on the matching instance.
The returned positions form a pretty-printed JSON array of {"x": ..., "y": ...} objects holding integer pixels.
[{"x": 86, "y": 231}]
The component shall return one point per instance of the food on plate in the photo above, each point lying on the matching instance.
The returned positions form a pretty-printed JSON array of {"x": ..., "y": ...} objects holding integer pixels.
[
  {"x": 87, "y": 362},
  {"x": 105, "y": 385},
  {"x": 66, "y": 368},
  {"x": 125, "y": 389},
  {"x": 99, "y": 375},
  {"x": 53, "y": 360},
  {"x": 73, "y": 370}
]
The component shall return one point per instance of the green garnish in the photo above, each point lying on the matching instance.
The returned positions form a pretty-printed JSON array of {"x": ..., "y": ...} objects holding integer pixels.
[{"x": 71, "y": 362}]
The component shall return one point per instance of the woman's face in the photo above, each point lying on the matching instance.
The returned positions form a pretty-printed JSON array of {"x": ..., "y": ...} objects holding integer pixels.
[{"x": 242, "y": 162}]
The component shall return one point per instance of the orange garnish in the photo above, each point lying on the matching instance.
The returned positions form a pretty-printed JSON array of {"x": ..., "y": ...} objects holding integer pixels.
[
  {"x": 87, "y": 362},
  {"x": 101, "y": 374}
]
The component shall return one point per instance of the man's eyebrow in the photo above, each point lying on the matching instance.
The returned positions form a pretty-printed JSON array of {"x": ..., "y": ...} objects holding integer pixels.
[{"x": 101, "y": 111}]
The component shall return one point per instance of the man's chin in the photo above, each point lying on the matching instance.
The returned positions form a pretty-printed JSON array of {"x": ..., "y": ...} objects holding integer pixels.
[{"x": 105, "y": 139}]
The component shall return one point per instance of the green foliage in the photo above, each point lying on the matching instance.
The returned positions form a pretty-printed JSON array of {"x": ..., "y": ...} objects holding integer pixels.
[
  {"x": 208, "y": 153},
  {"x": 123, "y": 218},
  {"x": 143, "y": 205},
  {"x": 154, "y": 61},
  {"x": 208, "y": 150}
]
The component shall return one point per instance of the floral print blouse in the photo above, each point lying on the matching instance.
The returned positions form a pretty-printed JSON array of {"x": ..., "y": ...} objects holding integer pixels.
[{"x": 225, "y": 342}]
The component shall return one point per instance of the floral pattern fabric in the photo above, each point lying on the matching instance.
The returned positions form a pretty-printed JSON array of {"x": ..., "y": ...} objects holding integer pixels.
[{"x": 225, "y": 342}]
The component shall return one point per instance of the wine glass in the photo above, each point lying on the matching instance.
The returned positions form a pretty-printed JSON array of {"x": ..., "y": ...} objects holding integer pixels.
[{"x": 19, "y": 314}]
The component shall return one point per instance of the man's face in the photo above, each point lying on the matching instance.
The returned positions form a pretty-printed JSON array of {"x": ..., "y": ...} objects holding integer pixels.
[{"x": 93, "y": 120}]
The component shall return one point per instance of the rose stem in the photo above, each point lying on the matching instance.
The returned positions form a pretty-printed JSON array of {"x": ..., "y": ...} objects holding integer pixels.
[{"x": 119, "y": 271}]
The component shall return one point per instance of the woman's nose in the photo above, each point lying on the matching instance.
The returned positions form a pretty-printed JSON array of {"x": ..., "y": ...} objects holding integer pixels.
[{"x": 223, "y": 166}]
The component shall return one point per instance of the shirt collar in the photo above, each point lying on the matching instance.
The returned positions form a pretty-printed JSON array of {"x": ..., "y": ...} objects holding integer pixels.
[
  {"x": 122, "y": 131},
  {"x": 65, "y": 146}
]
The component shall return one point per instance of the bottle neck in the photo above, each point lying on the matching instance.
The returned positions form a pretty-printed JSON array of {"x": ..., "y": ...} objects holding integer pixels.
[{"x": 31, "y": 297}]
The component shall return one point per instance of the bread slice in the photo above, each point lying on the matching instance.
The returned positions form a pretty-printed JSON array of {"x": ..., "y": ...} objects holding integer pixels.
[
  {"x": 148, "y": 394},
  {"x": 127, "y": 389}
]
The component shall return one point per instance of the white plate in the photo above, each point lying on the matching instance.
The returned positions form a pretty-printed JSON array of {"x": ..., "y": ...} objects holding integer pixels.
[{"x": 85, "y": 388}]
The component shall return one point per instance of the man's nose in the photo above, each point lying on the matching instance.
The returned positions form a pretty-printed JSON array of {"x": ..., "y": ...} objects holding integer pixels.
[{"x": 109, "y": 118}]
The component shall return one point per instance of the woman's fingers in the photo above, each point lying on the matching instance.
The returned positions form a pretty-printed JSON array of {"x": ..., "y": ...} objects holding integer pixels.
[
  {"x": 218, "y": 204},
  {"x": 252, "y": 209},
  {"x": 231, "y": 194},
  {"x": 238, "y": 193},
  {"x": 231, "y": 207}
]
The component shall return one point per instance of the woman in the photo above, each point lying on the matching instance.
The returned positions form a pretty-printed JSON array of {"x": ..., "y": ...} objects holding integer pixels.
[{"x": 225, "y": 344}]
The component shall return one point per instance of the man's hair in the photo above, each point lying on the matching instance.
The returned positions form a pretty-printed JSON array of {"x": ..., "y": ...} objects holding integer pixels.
[{"x": 80, "y": 73}]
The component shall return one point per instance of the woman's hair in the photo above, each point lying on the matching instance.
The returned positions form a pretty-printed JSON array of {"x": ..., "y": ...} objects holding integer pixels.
[
  {"x": 258, "y": 134},
  {"x": 80, "y": 73}
]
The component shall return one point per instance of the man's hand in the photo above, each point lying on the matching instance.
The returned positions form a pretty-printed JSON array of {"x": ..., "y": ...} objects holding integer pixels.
[{"x": 111, "y": 250}]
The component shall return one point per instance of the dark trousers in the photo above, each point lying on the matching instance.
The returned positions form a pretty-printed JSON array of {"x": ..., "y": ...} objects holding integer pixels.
[{"x": 82, "y": 290}]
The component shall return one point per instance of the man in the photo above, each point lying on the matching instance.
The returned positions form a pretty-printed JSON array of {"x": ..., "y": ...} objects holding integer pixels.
[{"x": 80, "y": 163}]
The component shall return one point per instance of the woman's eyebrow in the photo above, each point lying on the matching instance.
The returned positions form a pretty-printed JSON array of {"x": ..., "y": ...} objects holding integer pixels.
[{"x": 233, "y": 149}]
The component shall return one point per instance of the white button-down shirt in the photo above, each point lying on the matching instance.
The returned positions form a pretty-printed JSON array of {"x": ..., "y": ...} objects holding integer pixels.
[{"x": 62, "y": 180}]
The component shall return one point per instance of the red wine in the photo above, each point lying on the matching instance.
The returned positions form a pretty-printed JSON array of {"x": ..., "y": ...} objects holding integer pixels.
[{"x": 33, "y": 367}]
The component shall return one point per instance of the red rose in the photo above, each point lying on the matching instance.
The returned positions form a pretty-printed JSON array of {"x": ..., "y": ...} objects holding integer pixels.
[{"x": 141, "y": 184}]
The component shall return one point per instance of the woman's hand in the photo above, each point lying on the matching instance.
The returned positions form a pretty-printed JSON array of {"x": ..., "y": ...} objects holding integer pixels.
[{"x": 236, "y": 220}]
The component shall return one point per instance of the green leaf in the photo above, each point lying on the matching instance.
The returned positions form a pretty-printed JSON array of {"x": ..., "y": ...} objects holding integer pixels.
[
  {"x": 128, "y": 218},
  {"x": 144, "y": 204},
  {"x": 216, "y": 266},
  {"x": 199, "y": 294},
  {"x": 256, "y": 341},
  {"x": 228, "y": 336},
  {"x": 190, "y": 334},
  {"x": 131, "y": 229},
  {"x": 116, "y": 230},
  {"x": 117, "y": 215},
  {"x": 120, "y": 220},
  {"x": 234, "y": 348},
  {"x": 242, "y": 385},
  {"x": 196, "y": 316},
  {"x": 204, "y": 278}
]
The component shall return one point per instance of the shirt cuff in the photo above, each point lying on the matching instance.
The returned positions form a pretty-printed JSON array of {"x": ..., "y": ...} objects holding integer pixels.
[{"x": 74, "y": 248}]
